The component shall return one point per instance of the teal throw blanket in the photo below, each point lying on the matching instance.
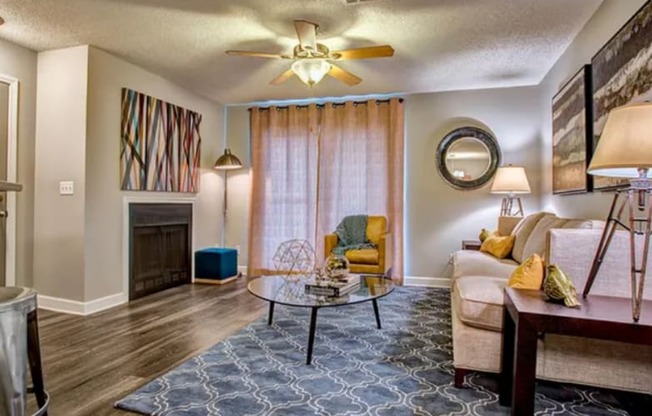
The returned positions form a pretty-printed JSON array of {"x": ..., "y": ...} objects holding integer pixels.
[{"x": 352, "y": 234}]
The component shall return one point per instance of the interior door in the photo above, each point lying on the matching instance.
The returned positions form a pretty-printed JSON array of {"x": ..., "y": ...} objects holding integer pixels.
[{"x": 4, "y": 134}]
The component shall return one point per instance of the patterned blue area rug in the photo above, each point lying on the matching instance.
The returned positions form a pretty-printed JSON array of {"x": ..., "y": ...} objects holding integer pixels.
[{"x": 404, "y": 369}]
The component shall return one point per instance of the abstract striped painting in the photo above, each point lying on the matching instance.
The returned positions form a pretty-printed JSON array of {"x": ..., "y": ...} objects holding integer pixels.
[{"x": 160, "y": 145}]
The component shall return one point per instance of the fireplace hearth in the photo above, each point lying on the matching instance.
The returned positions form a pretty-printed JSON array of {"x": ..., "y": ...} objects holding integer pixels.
[{"x": 160, "y": 238}]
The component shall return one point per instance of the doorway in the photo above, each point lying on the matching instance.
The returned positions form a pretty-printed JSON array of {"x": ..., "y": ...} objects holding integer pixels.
[
  {"x": 8, "y": 171},
  {"x": 4, "y": 136}
]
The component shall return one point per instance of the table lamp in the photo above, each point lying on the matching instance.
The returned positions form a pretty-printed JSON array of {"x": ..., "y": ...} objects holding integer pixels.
[
  {"x": 226, "y": 162},
  {"x": 625, "y": 151},
  {"x": 511, "y": 180}
]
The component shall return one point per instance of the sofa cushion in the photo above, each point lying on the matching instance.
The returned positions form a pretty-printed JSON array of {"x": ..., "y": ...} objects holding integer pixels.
[
  {"x": 536, "y": 243},
  {"x": 584, "y": 224},
  {"x": 506, "y": 225},
  {"x": 467, "y": 263},
  {"x": 480, "y": 301},
  {"x": 364, "y": 256},
  {"x": 522, "y": 232}
]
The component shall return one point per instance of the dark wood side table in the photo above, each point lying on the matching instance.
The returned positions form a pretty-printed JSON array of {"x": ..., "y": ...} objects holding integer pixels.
[
  {"x": 526, "y": 314},
  {"x": 471, "y": 245}
]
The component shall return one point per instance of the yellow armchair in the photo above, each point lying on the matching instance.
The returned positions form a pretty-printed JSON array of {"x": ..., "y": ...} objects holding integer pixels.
[{"x": 368, "y": 261}]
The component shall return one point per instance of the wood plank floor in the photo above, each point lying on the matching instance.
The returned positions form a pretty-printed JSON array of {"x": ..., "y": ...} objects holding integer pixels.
[{"x": 91, "y": 362}]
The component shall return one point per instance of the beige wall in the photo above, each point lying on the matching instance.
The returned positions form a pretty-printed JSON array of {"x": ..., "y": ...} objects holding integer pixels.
[
  {"x": 104, "y": 200},
  {"x": 609, "y": 18},
  {"x": 79, "y": 239},
  {"x": 60, "y": 156},
  {"x": 437, "y": 217},
  {"x": 21, "y": 63}
]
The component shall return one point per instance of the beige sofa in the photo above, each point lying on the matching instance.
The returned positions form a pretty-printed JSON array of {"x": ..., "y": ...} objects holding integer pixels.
[{"x": 477, "y": 306}]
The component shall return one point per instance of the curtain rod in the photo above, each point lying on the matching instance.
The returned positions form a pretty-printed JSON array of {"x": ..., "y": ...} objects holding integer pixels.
[{"x": 283, "y": 107}]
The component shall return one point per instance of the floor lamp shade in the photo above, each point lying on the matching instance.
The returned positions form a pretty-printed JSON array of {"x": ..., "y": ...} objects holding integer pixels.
[
  {"x": 228, "y": 161},
  {"x": 625, "y": 146}
]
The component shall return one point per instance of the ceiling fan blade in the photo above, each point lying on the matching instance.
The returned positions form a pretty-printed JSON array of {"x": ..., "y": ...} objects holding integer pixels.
[
  {"x": 307, "y": 33},
  {"x": 381, "y": 51},
  {"x": 258, "y": 54},
  {"x": 283, "y": 77},
  {"x": 344, "y": 76}
]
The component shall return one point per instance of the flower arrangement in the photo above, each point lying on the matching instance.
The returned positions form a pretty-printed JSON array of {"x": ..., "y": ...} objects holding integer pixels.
[{"x": 336, "y": 266}]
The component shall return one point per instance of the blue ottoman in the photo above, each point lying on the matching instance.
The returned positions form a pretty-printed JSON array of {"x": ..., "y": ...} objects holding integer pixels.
[{"x": 216, "y": 265}]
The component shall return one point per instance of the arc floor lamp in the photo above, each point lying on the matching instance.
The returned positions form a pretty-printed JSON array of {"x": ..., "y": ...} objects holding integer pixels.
[{"x": 226, "y": 162}]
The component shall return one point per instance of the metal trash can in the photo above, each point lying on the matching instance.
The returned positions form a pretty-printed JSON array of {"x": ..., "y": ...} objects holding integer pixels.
[{"x": 16, "y": 303}]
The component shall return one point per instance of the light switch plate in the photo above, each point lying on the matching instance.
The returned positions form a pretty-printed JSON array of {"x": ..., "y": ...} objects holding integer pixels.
[{"x": 66, "y": 188}]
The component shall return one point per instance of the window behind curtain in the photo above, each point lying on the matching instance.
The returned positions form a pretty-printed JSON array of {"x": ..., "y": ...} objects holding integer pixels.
[
  {"x": 312, "y": 166},
  {"x": 285, "y": 157}
]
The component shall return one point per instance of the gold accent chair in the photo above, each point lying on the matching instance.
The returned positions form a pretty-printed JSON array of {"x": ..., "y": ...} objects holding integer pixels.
[{"x": 370, "y": 260}]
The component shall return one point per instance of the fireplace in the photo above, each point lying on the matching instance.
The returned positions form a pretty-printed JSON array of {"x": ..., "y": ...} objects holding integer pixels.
[{"x": 160, "y": 238}]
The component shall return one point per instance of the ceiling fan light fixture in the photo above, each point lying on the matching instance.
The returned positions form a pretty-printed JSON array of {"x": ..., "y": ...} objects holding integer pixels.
[{"x": 311, "y": 71}]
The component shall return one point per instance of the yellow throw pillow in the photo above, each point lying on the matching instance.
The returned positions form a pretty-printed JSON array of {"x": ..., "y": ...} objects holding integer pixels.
[
  {"x": 499, "y": 247},
  {"x": 529, "y": 275}
]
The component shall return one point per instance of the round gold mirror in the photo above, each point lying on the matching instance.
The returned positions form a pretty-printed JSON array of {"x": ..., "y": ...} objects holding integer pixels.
[{"x": 467, "y": 158}]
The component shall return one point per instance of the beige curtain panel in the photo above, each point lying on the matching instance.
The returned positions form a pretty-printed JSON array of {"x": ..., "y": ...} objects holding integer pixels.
[{"x": 313, "y": 165}]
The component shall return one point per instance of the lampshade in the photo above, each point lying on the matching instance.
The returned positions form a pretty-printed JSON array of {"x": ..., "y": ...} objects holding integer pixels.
[
  {"x": 625, "y": 144},
  {"x": 227, "y": 161},
  {"x": 510, "y": 180},
  {"x": 311, "y": 71}
]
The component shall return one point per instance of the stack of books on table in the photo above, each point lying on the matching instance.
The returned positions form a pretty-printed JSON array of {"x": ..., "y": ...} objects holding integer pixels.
[{"x": 335, "y": 288}]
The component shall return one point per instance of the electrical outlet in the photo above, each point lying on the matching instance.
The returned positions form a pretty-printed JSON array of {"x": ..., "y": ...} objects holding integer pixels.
[
  {"x": 237, "y": 248},
  {"x": 66, "y": 188}
]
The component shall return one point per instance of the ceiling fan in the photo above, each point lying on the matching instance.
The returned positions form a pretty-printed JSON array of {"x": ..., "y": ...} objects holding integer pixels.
[{"x": 313, "y": 60}]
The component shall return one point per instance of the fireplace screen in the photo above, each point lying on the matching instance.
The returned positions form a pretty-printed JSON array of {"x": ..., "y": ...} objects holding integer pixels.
[{"x": 159, "y": 247}]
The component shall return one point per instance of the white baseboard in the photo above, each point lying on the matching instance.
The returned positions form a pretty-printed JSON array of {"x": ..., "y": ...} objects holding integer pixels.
[
  {"x": 427, "y": 281},
  {"x": 76, "y": 307}
]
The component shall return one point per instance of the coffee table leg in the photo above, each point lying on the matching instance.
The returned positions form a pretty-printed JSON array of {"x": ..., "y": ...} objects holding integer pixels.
[
  {"x": 507, "y": 359},
  {"x": 270, "y": 317},
  {"x": 375, "y": 303},
  {"x": 311, "y": 336}
]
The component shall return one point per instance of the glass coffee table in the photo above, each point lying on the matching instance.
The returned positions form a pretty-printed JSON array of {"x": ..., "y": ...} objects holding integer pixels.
[{"x": 288, "y": 291}]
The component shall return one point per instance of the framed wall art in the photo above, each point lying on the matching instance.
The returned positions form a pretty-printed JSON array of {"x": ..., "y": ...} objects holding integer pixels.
[
  {"x": 572, "y": 135},
  {"x": 622, "y": 74},
  {"x": 160, "y": 145}
]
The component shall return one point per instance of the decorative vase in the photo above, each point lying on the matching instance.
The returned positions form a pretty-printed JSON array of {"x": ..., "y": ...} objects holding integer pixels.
[{"x": 336, "y": 266}]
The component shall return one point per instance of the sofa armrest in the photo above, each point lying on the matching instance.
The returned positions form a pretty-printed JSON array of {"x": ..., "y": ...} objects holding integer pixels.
[
  {"x": 573, "y": 251},
  {"x": 330, "y": 242},
  {"x": 385, "y": 251}
]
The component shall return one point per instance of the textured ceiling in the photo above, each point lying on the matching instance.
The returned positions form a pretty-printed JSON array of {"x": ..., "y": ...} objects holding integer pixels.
[{"x": 441, "y": 45}]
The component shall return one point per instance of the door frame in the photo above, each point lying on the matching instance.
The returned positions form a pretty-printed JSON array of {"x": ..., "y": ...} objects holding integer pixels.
[{"x": 12, "y": 169}]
